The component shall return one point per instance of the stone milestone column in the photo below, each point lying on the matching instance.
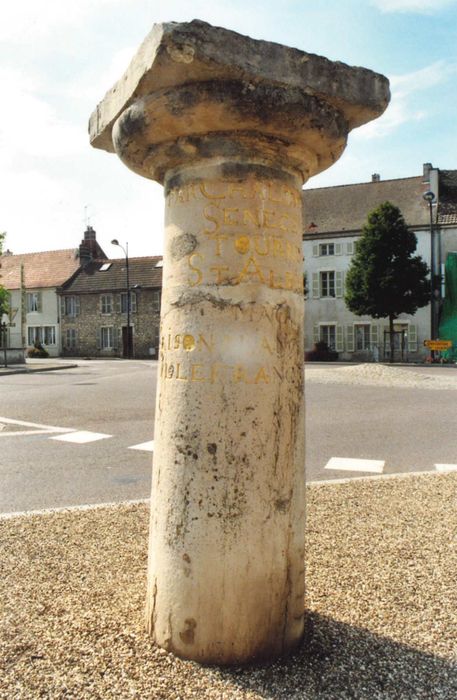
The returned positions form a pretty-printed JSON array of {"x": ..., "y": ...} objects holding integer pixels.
[{"x": 232, "y": 127}]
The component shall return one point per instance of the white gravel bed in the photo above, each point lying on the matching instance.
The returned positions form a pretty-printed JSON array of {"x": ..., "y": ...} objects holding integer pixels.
[
  {"x": 381, "y": 562},
  {"x": 371, "y": 374}
]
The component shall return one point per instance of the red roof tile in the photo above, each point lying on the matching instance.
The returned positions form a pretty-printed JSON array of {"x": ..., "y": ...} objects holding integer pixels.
[{"x": 46, "y": 269}]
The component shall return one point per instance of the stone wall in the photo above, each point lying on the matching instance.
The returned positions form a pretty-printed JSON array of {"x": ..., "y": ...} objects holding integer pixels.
[{"x": 145, "y": 322}]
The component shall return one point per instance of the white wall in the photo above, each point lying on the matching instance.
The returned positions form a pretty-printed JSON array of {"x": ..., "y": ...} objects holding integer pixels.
[
  {"x": 48, "y": 316},
  {"x": 320, "y": 311}
]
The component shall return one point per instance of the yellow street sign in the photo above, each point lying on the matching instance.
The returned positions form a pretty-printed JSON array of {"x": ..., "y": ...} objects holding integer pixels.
[{"x": 438, "y": 344}]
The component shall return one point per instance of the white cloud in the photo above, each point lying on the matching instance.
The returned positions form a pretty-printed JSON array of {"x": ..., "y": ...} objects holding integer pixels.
[
  {"x": 400, "y": 109},
  {"x": 419, "y": 6},
  {"x": 28, "y": 20},
  {"x": 30, "y": 125}
]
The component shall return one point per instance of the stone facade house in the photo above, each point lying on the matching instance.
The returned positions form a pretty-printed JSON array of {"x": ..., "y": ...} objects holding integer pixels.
[
  {"x": 93, "y": 305},
  {"x": 333, "y": 219},
  {"x": 32, "y": 280}
]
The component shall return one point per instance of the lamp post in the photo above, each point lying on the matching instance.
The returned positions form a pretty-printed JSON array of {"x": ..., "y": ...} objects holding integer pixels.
[
  {"x": 4, "y": 336},
  {"x": 126, "y": 253},
  {"x": 429, "y": 197}
]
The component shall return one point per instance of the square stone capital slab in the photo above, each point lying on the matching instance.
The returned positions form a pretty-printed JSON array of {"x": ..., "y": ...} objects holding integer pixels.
[{"x": 175, "y": 54}]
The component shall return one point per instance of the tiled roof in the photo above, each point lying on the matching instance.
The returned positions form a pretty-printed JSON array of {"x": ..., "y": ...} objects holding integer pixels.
[
  {"x": 447, "y": 205},
  {"x": 46, "y": 269},
  {"x": 92, "y": 278},
  {"x": 346, "y": 207}
]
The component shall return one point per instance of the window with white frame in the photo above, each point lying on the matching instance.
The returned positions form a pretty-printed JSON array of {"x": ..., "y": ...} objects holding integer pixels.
[
  {"x": 70, "y": 338},
  {"x": 156, "y": 300},
  {"x": 327, "y": 283},
  {"x": 124, "y": 302},
  {"x": 327, "y": 333},
  {"x": 106, "y": 303},
  {"x": 34, "y": 335},
  {"x": 41, "y": 334},
  {"x": 107, "y": 337},
  {"x": 70, "y": 306},
  {"x": 33, "y": 301},
  {"x": 362, "y": 336},
  {"x": 326, "y": 249}
]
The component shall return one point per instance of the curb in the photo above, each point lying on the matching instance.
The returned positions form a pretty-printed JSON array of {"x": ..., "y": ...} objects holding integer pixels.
[{"x": 29, "y": 370}]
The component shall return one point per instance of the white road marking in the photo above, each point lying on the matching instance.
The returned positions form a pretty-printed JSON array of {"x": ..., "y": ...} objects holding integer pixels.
[
  {"x": 446, "y": 467},
  {"x": 81, "y": 436},
  {"x": 148, "y": 446},
  {"x": 374, "y": 466},
  {"x": 28, "y": 424}
]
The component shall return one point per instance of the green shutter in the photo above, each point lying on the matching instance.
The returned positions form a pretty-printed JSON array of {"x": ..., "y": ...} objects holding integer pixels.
[
  {"x": 62, "y": 307},
  {"x": 339, "y": 344},
  {"x": 350, "y": 248},
  {"x": 315, "y": 285},
  {"x": 339, "y": 284},
  {"x": 316, "y": 333},
  {"x": 39, "y": 302},
  {"x": 338, "y": 249},
  {"x": 350, "y": 338},
  {"x": 315, "y": 251},
  {"x": 133, "y": 302},
  {"x": 412, "y": 338}
]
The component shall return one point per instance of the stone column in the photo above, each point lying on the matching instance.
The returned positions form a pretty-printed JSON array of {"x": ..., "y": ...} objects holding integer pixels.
[{"x": 232, "y": 127}]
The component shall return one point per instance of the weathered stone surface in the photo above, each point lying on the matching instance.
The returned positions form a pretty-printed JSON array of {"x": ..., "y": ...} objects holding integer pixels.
[
  {"x": 233, "y": 128},
  {"x": 174, "y": 55}
]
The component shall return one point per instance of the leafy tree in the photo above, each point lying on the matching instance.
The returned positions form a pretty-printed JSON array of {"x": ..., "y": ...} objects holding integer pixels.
[
  {"x": 4, "y": 296},
  {"x": 385, "y": 278}
]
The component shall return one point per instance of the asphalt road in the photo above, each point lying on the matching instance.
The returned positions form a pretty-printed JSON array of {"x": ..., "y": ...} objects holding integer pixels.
[{"x": 407, "y": 429}]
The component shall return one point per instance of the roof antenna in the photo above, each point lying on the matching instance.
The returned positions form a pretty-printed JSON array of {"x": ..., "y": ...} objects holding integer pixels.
[{"x": 86, "y": 216}]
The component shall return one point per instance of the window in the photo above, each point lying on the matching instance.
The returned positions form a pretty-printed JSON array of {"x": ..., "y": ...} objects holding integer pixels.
[
  {"x": 34, "y": 335},
  {"x": 327, "y": 249},
  {"x": 33, "y": 301},
  {"x": 156, "y": 300},
  {"x": 70, "y": 306},
  {"x": 328, "y": 335},
  {"x": 49, "y": 333},
  {"x": 132, "y": 302},
  {"x": 327, "y": 284},
  {"x": 105, "y": 267},
  {"x": 362, "y": 336},
  {"x": 106, "y": 337},
  {"x": 70, "y": 338},
  {"x": 41, "y": 334},
  {"x": 106, "y": 303}
]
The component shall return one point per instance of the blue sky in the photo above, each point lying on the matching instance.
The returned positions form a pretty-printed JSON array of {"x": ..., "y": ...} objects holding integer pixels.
[{"x": 59, "y": 57}]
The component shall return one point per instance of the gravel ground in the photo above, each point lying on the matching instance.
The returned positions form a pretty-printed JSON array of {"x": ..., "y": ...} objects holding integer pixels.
[
  {"x": 380, "y": 375},
  {"x": 381, "y": 597}
]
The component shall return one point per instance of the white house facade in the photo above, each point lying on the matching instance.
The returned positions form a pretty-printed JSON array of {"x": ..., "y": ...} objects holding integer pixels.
[{"x": 333, "y": 221}]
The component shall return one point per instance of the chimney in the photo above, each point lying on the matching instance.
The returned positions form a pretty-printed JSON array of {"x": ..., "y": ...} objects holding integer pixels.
[
  {"x": 426, "y": 170},
  {"x": 376, "y": 177},
  {"x": 88, "y": 247}
]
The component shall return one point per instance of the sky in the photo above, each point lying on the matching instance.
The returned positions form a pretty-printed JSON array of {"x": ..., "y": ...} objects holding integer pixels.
[{"x": 59, "y": 57}]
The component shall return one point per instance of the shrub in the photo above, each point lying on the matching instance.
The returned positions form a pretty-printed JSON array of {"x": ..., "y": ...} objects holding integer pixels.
[
  {"x": 37, "y": 351},
  {"x": 321, "y": 353}
]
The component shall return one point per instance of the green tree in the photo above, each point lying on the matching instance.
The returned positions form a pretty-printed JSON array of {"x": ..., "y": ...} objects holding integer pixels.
[
  {"x": 385, "y": 278},
  {"x": 4, "y": 296}
]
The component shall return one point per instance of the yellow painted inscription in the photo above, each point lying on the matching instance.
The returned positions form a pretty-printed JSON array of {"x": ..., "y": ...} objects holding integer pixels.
[{"x": 214, "y": 372}]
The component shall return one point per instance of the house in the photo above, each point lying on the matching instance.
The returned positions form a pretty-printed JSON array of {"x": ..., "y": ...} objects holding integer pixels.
[
  {"x": 333, "y": 219},
  {"x": 31, "y": 280},
  {"x": 94, "y": 304}
]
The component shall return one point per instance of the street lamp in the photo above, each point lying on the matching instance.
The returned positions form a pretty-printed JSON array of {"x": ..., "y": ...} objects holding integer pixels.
[
  {"x": 4, "y": 336},
  {"x": 429, "y": 197},
  {"x": 126, "y": 253}
]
